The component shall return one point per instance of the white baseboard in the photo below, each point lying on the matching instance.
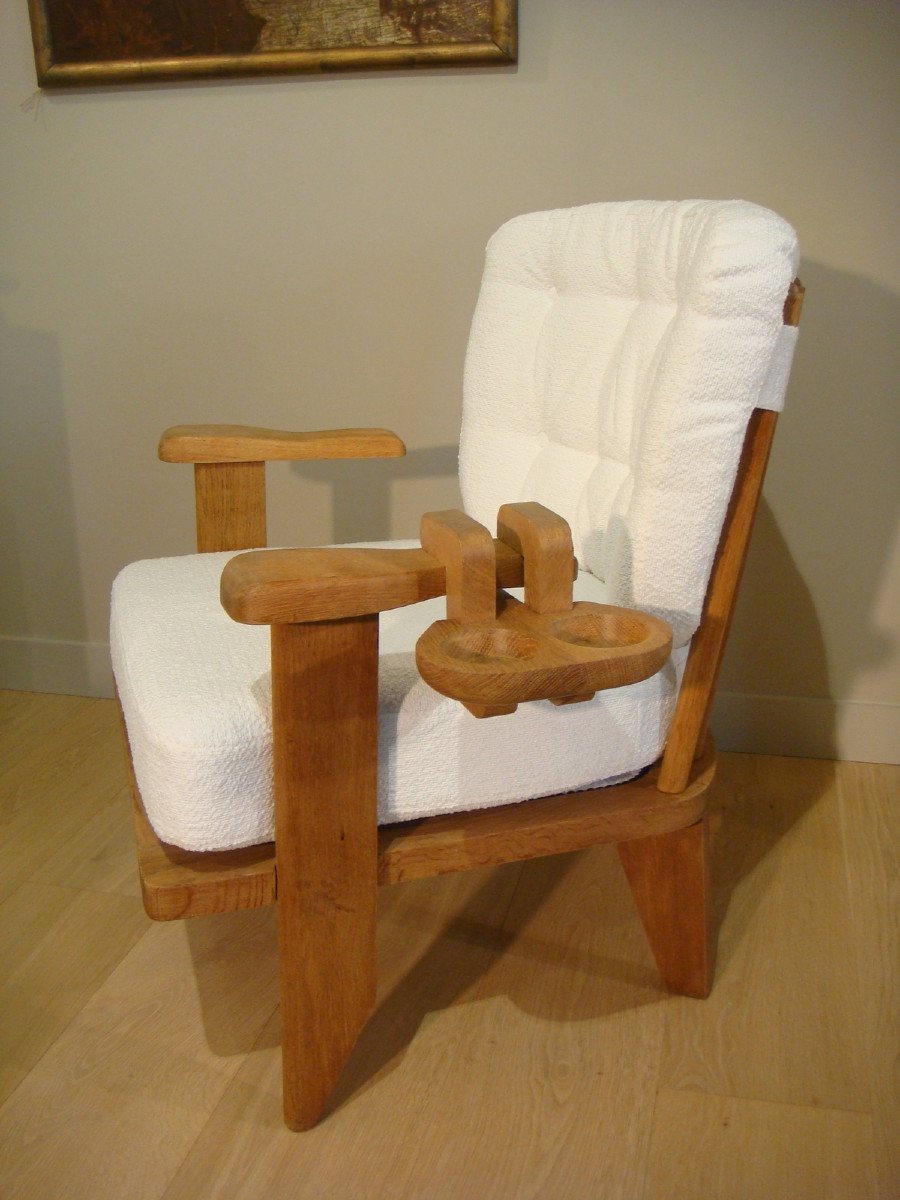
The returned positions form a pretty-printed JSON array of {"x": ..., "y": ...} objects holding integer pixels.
[
  {"x": 808, "y": 727},
  {"x": 798, "y": 726},
  {"x": 69, "y": 668}
]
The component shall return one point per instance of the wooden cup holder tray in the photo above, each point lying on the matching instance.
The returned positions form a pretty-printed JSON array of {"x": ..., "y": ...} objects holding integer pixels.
[{"x": 493, "y": 652}]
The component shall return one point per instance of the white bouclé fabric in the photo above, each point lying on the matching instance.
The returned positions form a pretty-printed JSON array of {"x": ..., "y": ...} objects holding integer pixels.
[
  {"x": 776, "y": 380},
  {"x": 616, "y": 353},
  {"x": 195, "y": 688}
]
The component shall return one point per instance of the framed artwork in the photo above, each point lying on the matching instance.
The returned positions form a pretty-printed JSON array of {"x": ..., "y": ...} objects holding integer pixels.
[{"x": 131, "y": 41}]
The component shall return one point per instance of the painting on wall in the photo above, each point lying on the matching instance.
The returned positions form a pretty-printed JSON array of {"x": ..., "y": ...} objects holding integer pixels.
[{"x": 120, "y": 41}]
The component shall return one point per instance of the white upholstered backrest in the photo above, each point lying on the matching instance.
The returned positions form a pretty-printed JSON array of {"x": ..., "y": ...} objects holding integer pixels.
[{"x": 616, "y": 353}]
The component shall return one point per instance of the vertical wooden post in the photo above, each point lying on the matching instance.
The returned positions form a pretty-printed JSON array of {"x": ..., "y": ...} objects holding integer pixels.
[
  {"x": 544, "y": 540},
  {"x": 689, "y": 726},
  {"x": 466, "y": 550},
  {"x": 688, "y": 732},
  {"x": 324, "y": 707},
  {"x": 230, "y": 501}
]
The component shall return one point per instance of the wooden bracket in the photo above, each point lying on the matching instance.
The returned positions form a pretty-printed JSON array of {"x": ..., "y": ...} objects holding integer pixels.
[
  {"x": 544, "y": 540},
  {"x": 466, "y": 551}
]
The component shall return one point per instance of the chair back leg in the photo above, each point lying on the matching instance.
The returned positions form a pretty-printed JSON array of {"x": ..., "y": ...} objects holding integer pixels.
[{"x": 669, "y": 877}]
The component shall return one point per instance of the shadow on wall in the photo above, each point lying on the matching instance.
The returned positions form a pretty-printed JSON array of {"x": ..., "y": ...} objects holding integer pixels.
[
  {"x": 805, "y": 624},
  {"x": 361, "y": 489},
  {"x": 40, "y": 584},
  {"x": 776, "y": 648}
]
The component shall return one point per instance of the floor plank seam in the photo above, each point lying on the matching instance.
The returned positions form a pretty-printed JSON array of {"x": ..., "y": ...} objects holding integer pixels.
[
  {"x": 516, "y": 1049},
  {"x": 512, "y": 897},
  {"x": 860, "y": 920},
  {"x": 218, "y": 1104},
  {"x": 821, "y": 1108},
  {"x": 64, "y": 1029}
]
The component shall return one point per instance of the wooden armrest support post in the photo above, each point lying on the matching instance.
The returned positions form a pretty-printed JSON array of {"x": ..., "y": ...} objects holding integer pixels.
[{"x": 229, "y": 471}]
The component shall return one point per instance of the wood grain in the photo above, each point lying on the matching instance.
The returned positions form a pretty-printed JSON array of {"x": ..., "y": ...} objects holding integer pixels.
[
  {"x": 779, "y": 1023},
  {"x": 71, "y": 773},
  {"x": 738, "y": 1149},
  {"x": 793, "y": 305},
  {"x": 119, "y": 1098},
  {"x": 493, "y": 653},
  {"x": 436, "y": 940},
  {"x": 523, "y": 655},
  {"x": 99, "y": 856},
  {"x": 869, "y": 799},
  {"x": 465, "y": 549},
  {"x": 178, "y": 883},
  {"x": 567, "y": 1026},
  {"x": 550, "y": 825},
  {"x": 273, "y": 586},
  {"x": 325, "y": 719},
  {"x": 57, "y": 946},
  {"x": 230, "y": 505},
  {"x": 544, "y": 540},
  {"x": 669, "y": 877},
  {"x": 691, "y": 720},
  {"x": 229, "y": 471},
  {"x": 28, "y": 720},
  {"x": 249, "y": 443},
  {"x": 707, "y": 650},
  {"x": 522, "y": 1048}
]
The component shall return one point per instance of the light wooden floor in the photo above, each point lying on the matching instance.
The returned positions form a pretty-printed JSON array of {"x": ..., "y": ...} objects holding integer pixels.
[{"x": 522, "y": 1047}]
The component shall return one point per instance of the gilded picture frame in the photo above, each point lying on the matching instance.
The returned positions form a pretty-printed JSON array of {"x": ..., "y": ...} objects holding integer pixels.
[{"x": 98, "y": 42}]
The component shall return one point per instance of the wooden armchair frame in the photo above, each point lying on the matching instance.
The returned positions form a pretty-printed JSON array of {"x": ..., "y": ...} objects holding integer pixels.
[{"x": 329, "y": 856}]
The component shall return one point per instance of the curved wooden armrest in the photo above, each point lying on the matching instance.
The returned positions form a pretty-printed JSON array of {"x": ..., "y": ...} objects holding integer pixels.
[
  {"x": 246, "y": 443},
  {"x": 275, "y": 587}
]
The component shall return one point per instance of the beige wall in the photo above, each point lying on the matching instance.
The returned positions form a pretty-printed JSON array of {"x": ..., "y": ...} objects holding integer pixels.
[{"x": 305, "y": 252}]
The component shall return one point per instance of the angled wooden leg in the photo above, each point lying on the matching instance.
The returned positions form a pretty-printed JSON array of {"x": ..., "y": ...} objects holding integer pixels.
[
  {"x": 669, "y": 877},
  {"x": 324, "y": 705}
]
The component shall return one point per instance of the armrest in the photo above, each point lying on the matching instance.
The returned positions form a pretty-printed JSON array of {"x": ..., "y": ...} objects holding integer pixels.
[
  {"x": 246, "y": 443},
  {"x": 274, "y": 587}
]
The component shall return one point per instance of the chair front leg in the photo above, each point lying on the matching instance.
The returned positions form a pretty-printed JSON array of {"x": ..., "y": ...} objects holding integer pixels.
[
  {"x": 669, "y": 878},
  {"x": 324, "y": 707}
]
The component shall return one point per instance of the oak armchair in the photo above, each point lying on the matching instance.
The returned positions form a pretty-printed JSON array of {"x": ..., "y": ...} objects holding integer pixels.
[{"x": 606, "y": 338}]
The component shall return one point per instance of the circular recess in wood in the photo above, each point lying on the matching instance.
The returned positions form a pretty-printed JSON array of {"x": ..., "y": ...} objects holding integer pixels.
[
  {"x": 603, "y": 629},
  {"x": 486, "y": 644}
]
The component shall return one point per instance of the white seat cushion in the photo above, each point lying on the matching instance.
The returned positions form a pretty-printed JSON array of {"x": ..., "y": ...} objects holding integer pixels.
[{"x": 195, "y": 688}]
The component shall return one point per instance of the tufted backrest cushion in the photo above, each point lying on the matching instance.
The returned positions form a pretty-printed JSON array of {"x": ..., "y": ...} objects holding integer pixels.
[{"x": 616, "y": 353}]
